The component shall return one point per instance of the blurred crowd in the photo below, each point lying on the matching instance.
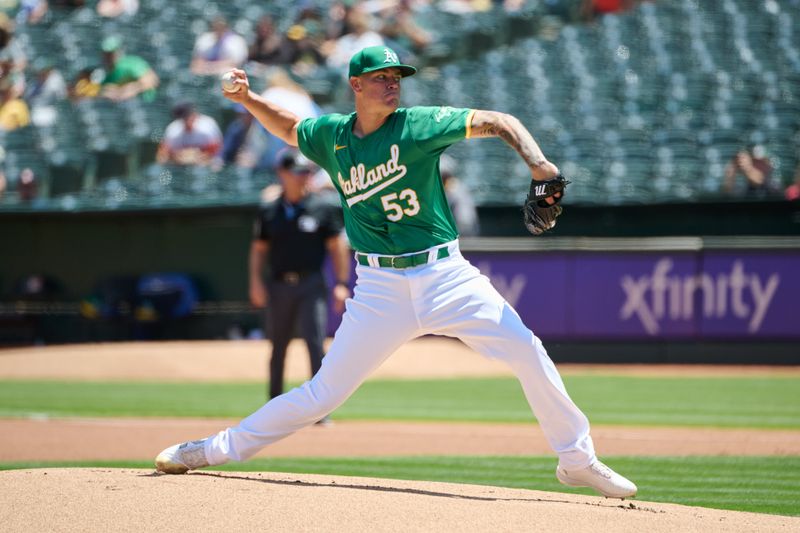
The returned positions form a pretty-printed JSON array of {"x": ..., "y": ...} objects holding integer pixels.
[
  {"x": 281, "y": 54},
  {"x": 316, "y": 38}
]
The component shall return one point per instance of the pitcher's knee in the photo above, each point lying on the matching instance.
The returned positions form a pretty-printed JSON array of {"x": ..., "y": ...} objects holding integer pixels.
[
  {"x": 323, "y": 399},
  {"x": 524, "y": 350}
]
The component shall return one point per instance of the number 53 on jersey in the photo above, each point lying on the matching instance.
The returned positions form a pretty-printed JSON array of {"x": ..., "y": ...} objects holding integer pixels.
[{"x": 399, "y": 205}]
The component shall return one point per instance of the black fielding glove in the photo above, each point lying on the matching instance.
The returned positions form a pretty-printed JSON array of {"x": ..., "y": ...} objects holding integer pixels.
[{"x": 538, "y": 215}]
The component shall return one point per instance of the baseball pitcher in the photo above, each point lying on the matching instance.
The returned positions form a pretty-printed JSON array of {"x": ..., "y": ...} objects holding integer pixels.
[{"x": 411, "y": 277}]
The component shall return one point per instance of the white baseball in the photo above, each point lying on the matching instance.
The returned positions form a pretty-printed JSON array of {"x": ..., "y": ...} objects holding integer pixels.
[{"x": 228, "y": 83}]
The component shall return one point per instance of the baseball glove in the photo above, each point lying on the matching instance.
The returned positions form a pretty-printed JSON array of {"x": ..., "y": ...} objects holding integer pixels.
[{"x": 538, "y": 215}]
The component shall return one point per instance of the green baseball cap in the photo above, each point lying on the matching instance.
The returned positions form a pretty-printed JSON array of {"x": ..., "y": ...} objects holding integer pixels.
[
  {"x": 375, "y": 58},
  {"x": 111, "y": 44}
]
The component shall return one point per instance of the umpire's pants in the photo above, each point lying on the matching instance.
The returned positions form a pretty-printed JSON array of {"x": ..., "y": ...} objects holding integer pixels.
[{"x": 299, "y": 306}]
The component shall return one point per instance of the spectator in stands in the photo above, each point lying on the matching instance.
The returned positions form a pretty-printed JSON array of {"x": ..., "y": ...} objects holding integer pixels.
[
  {"x": 336, "y": 22},
  {"x": 31, "y": 11},
  {"x": 311, "y": 18},
  {"x": 268, "y": 47},
  {"x": 462, "y": 7},
  {"x": 513, "y": 6},
  {"x": 86, "y": 84},
  {"x": 218, "y": 50},
  {"x": 361, "y": 35},
  {"x": 13, "y": 59},
  {"x": 48, "y": 87},
  {"x": 127, "y": 76},
  {"x": 235, "y": 137},
  {"x": 117, "y": 8},
  {"x": 754, "y": 164},
  {"x": 28, "y": 186},
  {"x": 3, "y": 183},
  {"x": 792, "y": 192},
  {"x": 261, "y": 147},
  {"x": 401, "y": 30},
  {"x": 592, "y": 9},
  {"x": 305, "y": 42},
  {"x": 459, "y": 198},
  {"x": 190, "y": 139},
  {"x": 14, "y": 111}
]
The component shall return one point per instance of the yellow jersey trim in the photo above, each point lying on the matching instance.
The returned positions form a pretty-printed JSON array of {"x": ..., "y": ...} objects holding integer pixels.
[{"x": 469, "y": 123}]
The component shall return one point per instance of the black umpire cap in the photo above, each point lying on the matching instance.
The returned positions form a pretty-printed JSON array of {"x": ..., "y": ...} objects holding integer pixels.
[{"x": 292, "y": 160}]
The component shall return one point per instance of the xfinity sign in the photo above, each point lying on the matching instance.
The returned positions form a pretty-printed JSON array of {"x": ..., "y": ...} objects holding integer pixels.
[
  {"x": 667, "y": 295},
  {"x": 658, "y": 296}
]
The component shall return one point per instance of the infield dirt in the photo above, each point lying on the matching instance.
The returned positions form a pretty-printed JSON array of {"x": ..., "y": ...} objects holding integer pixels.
[{"x": 73, "y": 500}]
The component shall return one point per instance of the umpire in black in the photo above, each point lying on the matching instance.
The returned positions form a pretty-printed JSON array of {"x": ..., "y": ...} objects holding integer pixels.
[{"x": 291, "y": 237}]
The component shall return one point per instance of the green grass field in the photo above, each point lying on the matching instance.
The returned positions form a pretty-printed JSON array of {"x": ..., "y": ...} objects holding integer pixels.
[
  {"x": 720, "y": 402},
  {"x": 758, "y": 484}
]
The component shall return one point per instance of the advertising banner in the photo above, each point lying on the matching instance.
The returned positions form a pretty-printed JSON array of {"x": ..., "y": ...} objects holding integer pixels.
[
  {"x": 660, "y": 296},
  {"x": 537, "y": 286}
]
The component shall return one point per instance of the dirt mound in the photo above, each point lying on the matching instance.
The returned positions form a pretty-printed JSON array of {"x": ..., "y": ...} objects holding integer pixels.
[{"x": 140, "y": 501}]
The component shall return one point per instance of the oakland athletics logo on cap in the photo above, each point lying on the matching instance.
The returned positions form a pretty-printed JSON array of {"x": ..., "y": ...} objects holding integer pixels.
[{"x": 391, "y": 57}]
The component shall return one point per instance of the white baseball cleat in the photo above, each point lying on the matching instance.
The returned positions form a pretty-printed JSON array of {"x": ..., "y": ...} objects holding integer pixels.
[
  {"x": 181, "y": 458},
  {"x": 599, "y": 477},
  {"x": 325, "y": 421}
]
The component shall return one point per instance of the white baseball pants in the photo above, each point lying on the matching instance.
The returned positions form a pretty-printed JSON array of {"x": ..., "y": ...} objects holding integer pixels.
[{"x": 390, "y": 307}]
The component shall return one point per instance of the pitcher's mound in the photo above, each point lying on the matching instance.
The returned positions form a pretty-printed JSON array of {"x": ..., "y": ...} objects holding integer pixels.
[{"x": 91, "y": 499}]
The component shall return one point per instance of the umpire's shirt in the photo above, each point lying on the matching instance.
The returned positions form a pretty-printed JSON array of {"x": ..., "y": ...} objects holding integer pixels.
[{"x": 296, "y": 234}]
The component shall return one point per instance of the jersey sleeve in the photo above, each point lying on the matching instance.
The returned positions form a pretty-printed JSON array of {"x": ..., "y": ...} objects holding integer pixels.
[
  {"x": 315, "y": 137},
  {"x": 436, "y": 128}
]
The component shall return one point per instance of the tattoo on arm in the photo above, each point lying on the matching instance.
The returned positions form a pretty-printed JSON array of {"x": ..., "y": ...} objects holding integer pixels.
[{"x": 512, "y": 132}]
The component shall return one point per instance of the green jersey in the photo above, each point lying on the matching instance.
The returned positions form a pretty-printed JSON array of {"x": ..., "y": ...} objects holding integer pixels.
[
  {"x": 129, "y": 69},
  {"x": 388, "y": 181}
]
